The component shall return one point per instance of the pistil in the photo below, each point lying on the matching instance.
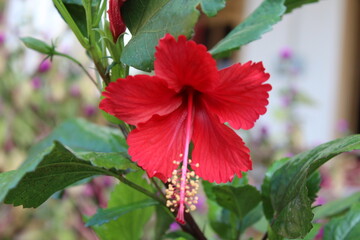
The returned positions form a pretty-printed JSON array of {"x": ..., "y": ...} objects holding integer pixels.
[{"x": 183, "y": 185}]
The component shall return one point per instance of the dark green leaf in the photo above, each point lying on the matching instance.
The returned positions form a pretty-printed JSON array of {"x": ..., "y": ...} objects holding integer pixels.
[
  {"x": 265, "y": 188},
  {"x": 110, "y": 214},
  {"x": 236, "y": 182},
  {"x": 346, "y": 227},
  {"x": 292, "y": 4},
  {"x": 77, "y": 12},
  {"x": 258, "y": 23},
  {"x": 131, "y": 226},
  {"x": 218, "y": 221},
  {"x": 251, "y": 218},
  {"x": 313, "y": 185},
  {"x": 312, "y": 234},
  {"x": 40, "y": 177},
  {"x": 38, "y": 45},
  {"x": 149, "y": 21},
  {"x": 163, "y": 221},
  {"x": 179, "y": 235},
  {"x": 211, "y": 7},
  {"x": 336, "y": 207},
  {"x": 289, "y": 193},
  {"x": 240, "y": 200}
]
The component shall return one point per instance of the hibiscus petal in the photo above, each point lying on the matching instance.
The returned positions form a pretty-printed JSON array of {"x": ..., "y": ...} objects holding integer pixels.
[
  {"x": 241, "y": 96},
  {"x": 136, "y": 99},
  {"x": 218, "y": 150},
  {"x": 185, "y": 63},
  {"x": 158, "y": 142}
]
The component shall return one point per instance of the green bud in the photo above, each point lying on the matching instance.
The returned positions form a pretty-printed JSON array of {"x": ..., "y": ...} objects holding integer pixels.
[{"x": 38, "y": 45}]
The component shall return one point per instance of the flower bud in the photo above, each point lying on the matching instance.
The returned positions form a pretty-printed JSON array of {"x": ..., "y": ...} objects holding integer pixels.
[
  {"x": 44, "y": 66},
  {"x": 117, "y": 25}
]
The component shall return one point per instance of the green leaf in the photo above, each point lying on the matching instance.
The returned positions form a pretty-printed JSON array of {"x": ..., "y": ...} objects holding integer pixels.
[
  {"x": 236, "y": 182},
  {"x": 83, "y": 136},
  {"x": 77, "y": 13},
  {"x": 240, "y": 200},
  {"x": 149, "y": 21},
  {"x": 312, "y": 234},
  {"x": 163, "y": 221},
  {"x": 292, "y": 4},
  {"x": 110, "y": 214},
  {"x": 117, "y": 160},
  {"x": 179, "y": 235},
  {"x": 254, "y": 26},
  {"x": 251, "y": 218},
  {"x": 346, "y": 227},
  {"x": 211, "y": 7},
  {"x": 42, "y": 176},
  {"x": 313, "y": 185},
  {"x": 218, "y": 220},
  {"x": 336, "y": 207},
  {"x": 38, "y": 45},
  {"x": 130, "y": 226},
  {"x": 288, "y": 186},
  {"x": 265, "y": 188}
]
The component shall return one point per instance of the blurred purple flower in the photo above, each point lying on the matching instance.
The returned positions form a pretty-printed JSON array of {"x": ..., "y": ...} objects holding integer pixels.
[
  {"x": 107, "y": 181},
  {"x": 174, "y": 227},
  {"x": 2, "y": 38},
  {"x": 44, "y": 66},
  {"x": 320, "y": 234},
  {"x": 264, "y": 131},
  {"x": 75, "y": 91},
  {"x": 286, "y": 100},
  {"x": 36, "y": 82},
  {"x": 88, "y": 190},
  {"x": 343, "y": 126},
  {"x": 286, "y": 53},
  {"x": 320, "y": 201},
  {"x": 325, "y": 178},
  {"x": 90, "y": 110}
]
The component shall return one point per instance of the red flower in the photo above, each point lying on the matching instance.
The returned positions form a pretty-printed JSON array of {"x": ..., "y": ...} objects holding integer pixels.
[
  {"x": 188, "y": 99},
  {"x": 117, "y": 25}
]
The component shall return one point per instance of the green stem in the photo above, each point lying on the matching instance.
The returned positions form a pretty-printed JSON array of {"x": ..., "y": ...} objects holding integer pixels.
[
  {"x": 94, "y": 49},
  {"x": 100, "y": 13},
  {"x": 80, "y": 65},
  {"x": 157, "y": 187},
  {"x": 141, "y": 189}
]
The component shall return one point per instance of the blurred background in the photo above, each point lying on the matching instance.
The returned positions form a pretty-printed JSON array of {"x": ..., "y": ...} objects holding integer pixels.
[{"x": 312, "y": 56}]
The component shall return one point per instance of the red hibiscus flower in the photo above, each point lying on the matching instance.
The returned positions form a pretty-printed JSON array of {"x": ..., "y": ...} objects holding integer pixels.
[
  {"x": 187, "y": 100},
  {"x": 117, "y": 25}
]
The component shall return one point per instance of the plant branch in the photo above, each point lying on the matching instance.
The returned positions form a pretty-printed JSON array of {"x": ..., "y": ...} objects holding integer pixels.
[
  {"x": 141, "y": 189},
  {"x": 80, "y": 65}
]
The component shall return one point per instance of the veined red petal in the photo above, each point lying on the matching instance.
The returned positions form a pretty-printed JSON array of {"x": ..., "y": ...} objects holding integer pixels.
[
  {"x": 218, "y": 150},
  {"x": 158, "y": 142},
  {"x": 136, "y": 99},
  {"x": 241, "y": 96},
  {"x": 185, "y": 63}
]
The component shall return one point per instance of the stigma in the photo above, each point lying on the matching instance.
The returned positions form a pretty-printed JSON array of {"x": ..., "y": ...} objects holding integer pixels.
[{"x": 181, "y": 193}]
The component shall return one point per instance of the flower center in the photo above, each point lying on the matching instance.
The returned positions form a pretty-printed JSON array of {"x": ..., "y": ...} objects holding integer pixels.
[{"x": 183, "y": 185}]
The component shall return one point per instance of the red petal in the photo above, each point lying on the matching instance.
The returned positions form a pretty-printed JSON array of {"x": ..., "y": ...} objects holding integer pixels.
[
  {"x": 136, "y": 99},
  {"x": 117, "y": 25},
  {"x": 158, "y": 142},
  {"x": 185, "y": 63},
  {"x": 220, "y": 152},
  {"x": 241, "y": 97}
]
